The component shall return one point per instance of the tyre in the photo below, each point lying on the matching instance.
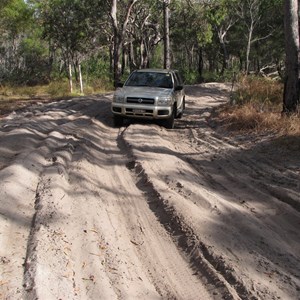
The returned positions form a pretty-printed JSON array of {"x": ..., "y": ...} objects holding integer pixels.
[
  {"x": 179, "y": 116},
  {"x": 169, "y": 123},
  {"x": 118, "y": 121}
]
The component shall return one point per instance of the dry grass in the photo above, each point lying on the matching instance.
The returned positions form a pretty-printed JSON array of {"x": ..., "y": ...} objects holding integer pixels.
[
  {"x": 16, "y": 97},
  {"x": 256, "y": 107},
  {"x": 247, "y": 118},
  {"x": 265, "y": 93}
]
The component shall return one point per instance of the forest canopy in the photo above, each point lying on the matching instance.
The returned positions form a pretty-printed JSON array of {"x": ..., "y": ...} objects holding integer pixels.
[{"x": 45, "y": 40}]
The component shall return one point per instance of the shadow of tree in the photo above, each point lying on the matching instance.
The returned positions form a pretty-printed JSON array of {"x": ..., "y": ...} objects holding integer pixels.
[{"x": 265, "y": 175}]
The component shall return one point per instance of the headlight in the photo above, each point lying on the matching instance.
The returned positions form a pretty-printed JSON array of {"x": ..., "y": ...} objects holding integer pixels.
[
  {"x": 163, "y": 101},
  {"x": 118, "y": 98}
]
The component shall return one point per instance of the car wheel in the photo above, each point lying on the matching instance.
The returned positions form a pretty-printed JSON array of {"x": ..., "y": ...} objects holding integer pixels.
[
  {"x": 169, "y": 123},
  {"x": 118, "y": 121},
  {"x": 179, "y": 116}
]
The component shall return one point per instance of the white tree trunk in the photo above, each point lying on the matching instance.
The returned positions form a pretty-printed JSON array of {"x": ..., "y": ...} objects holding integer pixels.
[
  {"x": 80, "y": 79},
  {"x": 119, "y": 35},
  {"x": 70, "y": 79}
]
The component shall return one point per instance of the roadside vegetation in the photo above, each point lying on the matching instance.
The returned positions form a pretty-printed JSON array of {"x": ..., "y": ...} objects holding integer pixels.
[
  {"x": 255, "y": 107},
  {"x": 55, "y": 49},
  {"x": 14, "y": 97}
]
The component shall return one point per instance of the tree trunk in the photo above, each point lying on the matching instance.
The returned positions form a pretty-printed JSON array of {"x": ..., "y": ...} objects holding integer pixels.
[
  {"x": 119, "y": 34},
  {"x": 145, "y": 55},
  {"x": 70, "y": 78},
  {"x": 200, "y": 64},
  {"x": 116, "y": 58},
  {"x": 240, "y": 61},
  {"x": 249, "y": 48},
  {"x": 291, "y": 30},
  {"x": 124, "y": 59},
  {"x": 80, "y": 79},
  {"x": 167, "y": 60},
  {"x": 141, "y": 50},
  {"x": 111, "y": 58},
  {"x": 132, "y": 60},
  {"x": 225, "y": 56}
]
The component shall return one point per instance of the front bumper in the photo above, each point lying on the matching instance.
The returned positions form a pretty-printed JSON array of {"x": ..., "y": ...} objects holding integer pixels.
[{"x": 142, "y": 111}]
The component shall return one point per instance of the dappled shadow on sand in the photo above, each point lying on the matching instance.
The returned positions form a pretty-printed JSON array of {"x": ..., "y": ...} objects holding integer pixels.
[
  {"x": 247, "y": 200},
  {"x": 34, "y": 139},
  {"x": 254, "y": 188},
  {"x": 253, "y": 203}
]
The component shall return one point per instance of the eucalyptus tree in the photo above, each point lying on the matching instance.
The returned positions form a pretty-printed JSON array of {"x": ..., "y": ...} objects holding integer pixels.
[
  {"x": 249, "y": 12},
  {"x": 72, "y": 27},
  {"x": 259, "y": 27},
  {"x": 221, "y": 15},
  {"x": 191, "y": 35},
  {"x": 137, "y": 25},
  {"x": 267, "y": 44},
  {"x": 167, "y": 50},
  {"x": 120, "y": 13},
  {"x": 15, "y": 23},
  {"x": 144, "y": 33},
  {"x": 292, "y": 63}
]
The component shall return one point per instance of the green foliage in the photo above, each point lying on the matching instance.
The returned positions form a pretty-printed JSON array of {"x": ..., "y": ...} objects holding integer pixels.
[
  {"x": 20, "y": 44},
  {"x": 58, "y": 89},
  {"x": 189, "y": 25},
  {"x": 190, "y": 76},
  {"x": 205, "y": 36},
  {"x": 157, "y": 57},
  {"x": 210, "y": 76},
  {"x": 98, "y": 85},
  {"x": 71, "y": 24},
  {"x": 73, "y": 30},
  {"x": 15, "y": 16},
  {"x": 97, "y": 66},
  {"x": 39, "y": 38},
  {"x": 55, "y": 89},
  {"x": 218, "y": 11},
  {"x": 97, "y": 75}
]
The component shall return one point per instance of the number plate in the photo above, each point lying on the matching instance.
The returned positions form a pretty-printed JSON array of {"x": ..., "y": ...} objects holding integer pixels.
[{"x": 139, "y": 111}]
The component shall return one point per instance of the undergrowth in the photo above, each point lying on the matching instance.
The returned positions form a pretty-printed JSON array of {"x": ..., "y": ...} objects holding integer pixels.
[
  {"x": 14, "y": 97},
  {"x": 256, "y": 106}
]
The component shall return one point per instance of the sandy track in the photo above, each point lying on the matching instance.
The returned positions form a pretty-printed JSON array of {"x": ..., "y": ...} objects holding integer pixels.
[{"x": 89, "y": 211}]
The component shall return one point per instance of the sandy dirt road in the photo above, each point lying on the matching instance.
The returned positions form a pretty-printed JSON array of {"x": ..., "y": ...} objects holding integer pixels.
[{"x": 89, "y": 211}]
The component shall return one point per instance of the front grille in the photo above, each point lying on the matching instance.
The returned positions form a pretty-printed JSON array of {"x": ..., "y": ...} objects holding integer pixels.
[{"x": 140, "y": 100}]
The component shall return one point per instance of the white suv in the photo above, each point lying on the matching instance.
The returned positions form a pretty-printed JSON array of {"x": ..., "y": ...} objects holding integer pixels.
[{"x": 150, "y": 94}]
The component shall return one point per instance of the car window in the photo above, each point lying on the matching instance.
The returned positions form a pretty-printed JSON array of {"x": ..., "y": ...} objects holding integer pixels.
[
  {"x": 176, "y": 80},
  {"x": 152, "y": 79},
  {"x": 178, "y": 77}
]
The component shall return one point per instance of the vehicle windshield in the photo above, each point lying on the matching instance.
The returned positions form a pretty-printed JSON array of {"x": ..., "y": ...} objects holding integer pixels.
[{"x": 152, "y": 79}]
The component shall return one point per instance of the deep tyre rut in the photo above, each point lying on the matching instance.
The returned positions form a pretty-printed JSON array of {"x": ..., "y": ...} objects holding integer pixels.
[
  {"x": 206, "y": 285},
  {"x": 218, "y": 277}
]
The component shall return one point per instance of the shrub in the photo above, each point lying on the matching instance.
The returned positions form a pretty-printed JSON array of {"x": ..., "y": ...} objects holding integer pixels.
[
  {"x": 256, "y": 105},
  {"x": 262, "y": 92}
]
